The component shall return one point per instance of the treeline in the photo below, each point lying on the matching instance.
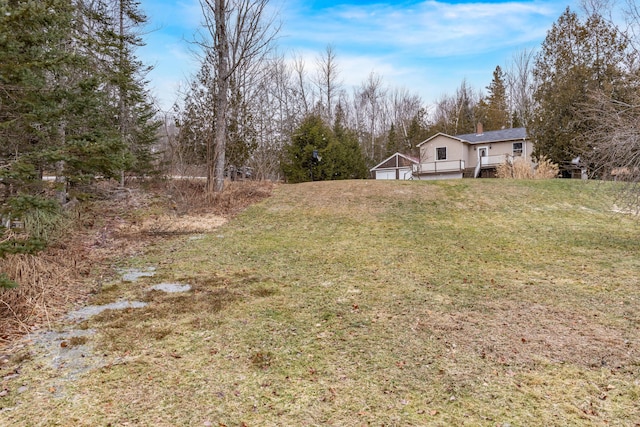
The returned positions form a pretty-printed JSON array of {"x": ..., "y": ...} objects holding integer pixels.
[
  {"x": 585, "y": 71},
  {"x": 282, "y": 95},
  {"x": 272, "y": 103}
]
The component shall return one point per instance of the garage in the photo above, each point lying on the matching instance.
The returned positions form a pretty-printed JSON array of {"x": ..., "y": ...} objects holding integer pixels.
[
  {"x": 386, "y": 174},
  {"x": 397, "y": 166}
]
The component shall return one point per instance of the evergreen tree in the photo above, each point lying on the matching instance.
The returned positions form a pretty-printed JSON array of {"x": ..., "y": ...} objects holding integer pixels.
[
  {"x": 576, "y": 58},
  {"x": 302, "y": 157},
  {"x": 418, "y": 131},
  {"x": 53, "y": 110},
  {"x": 56, "y": 104},
  {"x": 344, "y": 157},
  {"x": 195, "y": 121},
  {"x": 241, "y": 133},
  {"x": 117, "y": 37},
  {"x": 318, "y": 153},
  {"x": 494, "y": 106},
  {"x": 394, "y": 142}
]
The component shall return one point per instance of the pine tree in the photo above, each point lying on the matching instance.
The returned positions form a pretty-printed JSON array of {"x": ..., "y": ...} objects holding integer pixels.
[
  {"x": 241, "y": 132},
  {"x": 303, "y": 155},
  {"x": 418, "y": 131},
  {"x": 394, "y": 142},
  {"x": 56, "y": 103},
  {"x": 134, "y": 115},
  {"x": 343, "y": 157},
  {"x": 576, "y": 58},
  {"x": 496, "y": 111},
  {"x": 318, "y": 153}
]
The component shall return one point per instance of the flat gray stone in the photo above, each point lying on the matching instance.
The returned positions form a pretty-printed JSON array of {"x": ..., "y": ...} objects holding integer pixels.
[{"x": 171, "y": 287}]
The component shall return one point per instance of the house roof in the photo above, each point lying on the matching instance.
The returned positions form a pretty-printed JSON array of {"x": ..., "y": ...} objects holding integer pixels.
[
  {"x": 409, "y": 158},
  {"x": 494, "y": 136},
  {"x": 439, "y": 134},
  {"x": 511, "y": 134}
]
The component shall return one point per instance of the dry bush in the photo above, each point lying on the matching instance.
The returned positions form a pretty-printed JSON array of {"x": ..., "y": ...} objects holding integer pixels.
[
  {"x": 189, "y": 196},
  {"x": 546, "y": 169},
  {"x": 503, "y": 170},
  {"x": 520, "y": 168},
  {"x": 48, "y": 283},
  {"x": 238, "y": 195},
  {"x": 517, "y": 168}
]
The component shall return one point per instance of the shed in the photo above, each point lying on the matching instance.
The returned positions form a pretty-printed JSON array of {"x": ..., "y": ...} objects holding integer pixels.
[{"x": 397, "y": 166}]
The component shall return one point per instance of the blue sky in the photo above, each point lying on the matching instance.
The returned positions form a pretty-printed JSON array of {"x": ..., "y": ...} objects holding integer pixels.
[{"x": 427, "y": 47}]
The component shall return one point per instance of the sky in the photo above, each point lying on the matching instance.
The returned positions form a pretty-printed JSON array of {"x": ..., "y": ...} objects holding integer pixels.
[{"x": 427, "y": 47}]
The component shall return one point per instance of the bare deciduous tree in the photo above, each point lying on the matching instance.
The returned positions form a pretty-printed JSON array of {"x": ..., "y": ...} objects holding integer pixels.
[
  {"x": 520, "y": 87},
  {"x": 240, "y": 34},
  {"x": 301, "y": 90},
  {"x": 327, "y": 81},
  {"x": 616, "y": 150},
  {"x": 370, "y": 99}
]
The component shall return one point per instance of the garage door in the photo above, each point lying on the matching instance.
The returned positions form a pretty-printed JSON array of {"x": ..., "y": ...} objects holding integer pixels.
[{"x": 388, "y": 174}]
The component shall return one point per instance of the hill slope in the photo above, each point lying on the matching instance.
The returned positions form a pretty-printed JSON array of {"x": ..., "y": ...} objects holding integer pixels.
[{"x": 474, "y": 302}]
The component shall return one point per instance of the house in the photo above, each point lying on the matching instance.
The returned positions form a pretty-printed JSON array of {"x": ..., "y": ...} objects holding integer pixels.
[
  {"x": 397, "y": 166},
  {"x": 471, "y": 155}
]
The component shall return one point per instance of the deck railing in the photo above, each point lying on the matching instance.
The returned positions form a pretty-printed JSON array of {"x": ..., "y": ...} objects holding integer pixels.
[
  {"x": 440, "y": 166},
  {"x": 493, "y": 160},
  {"x": 444, "y": 166}
]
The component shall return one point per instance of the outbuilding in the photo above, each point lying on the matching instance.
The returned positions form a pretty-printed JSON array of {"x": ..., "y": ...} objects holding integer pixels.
[{"x": 398, "y": 166}]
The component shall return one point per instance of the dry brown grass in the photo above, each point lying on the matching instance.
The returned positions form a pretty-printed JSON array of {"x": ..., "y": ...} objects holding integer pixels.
[
  {"x": 48, "y": 284},
  {"x": 188, "y": 196},
  {"x": 121, "y": 224},
  {"x": 520, "y": 168},
  {"x": 546, "y": 169}
]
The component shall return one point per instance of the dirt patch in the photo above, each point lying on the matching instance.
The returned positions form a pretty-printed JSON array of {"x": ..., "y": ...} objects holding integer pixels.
[
  {"x": 515, "y": 333},
  {"x": 173, "y": 224}
]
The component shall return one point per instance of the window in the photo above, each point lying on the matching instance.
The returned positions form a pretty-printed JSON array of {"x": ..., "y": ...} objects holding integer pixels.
[
  {"x": 517, "y": 148},
  {"x": 441, "y": 153}
]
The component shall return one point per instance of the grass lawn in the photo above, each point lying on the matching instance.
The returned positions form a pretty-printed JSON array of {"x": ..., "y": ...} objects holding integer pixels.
[{"x": 468, "y": 302}]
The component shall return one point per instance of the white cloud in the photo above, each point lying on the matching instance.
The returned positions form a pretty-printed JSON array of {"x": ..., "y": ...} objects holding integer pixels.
[
  {"x": 428, "y": 46},
  {"x": 428, "y": 28}
]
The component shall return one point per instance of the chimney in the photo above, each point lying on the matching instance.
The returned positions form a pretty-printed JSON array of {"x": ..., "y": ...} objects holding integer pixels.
[{"x": 479, "y": 130}]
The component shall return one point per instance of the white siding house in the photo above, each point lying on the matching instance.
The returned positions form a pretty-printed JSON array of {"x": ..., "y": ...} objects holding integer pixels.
[{"x": 470, "y": 155}]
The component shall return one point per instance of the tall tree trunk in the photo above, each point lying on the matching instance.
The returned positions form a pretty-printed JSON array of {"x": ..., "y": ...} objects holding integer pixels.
[
  {"x": 121, "y": 89},
  {"x": 215, "y": 164}
]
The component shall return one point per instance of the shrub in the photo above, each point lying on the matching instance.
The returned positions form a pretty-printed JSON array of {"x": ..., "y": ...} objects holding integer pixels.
[
  {"x": 546, "y": 169},
  {"x": 40, "y": 221},
  {"x": 520, "y": 168},
  {"x": 515, "y": 168}
]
